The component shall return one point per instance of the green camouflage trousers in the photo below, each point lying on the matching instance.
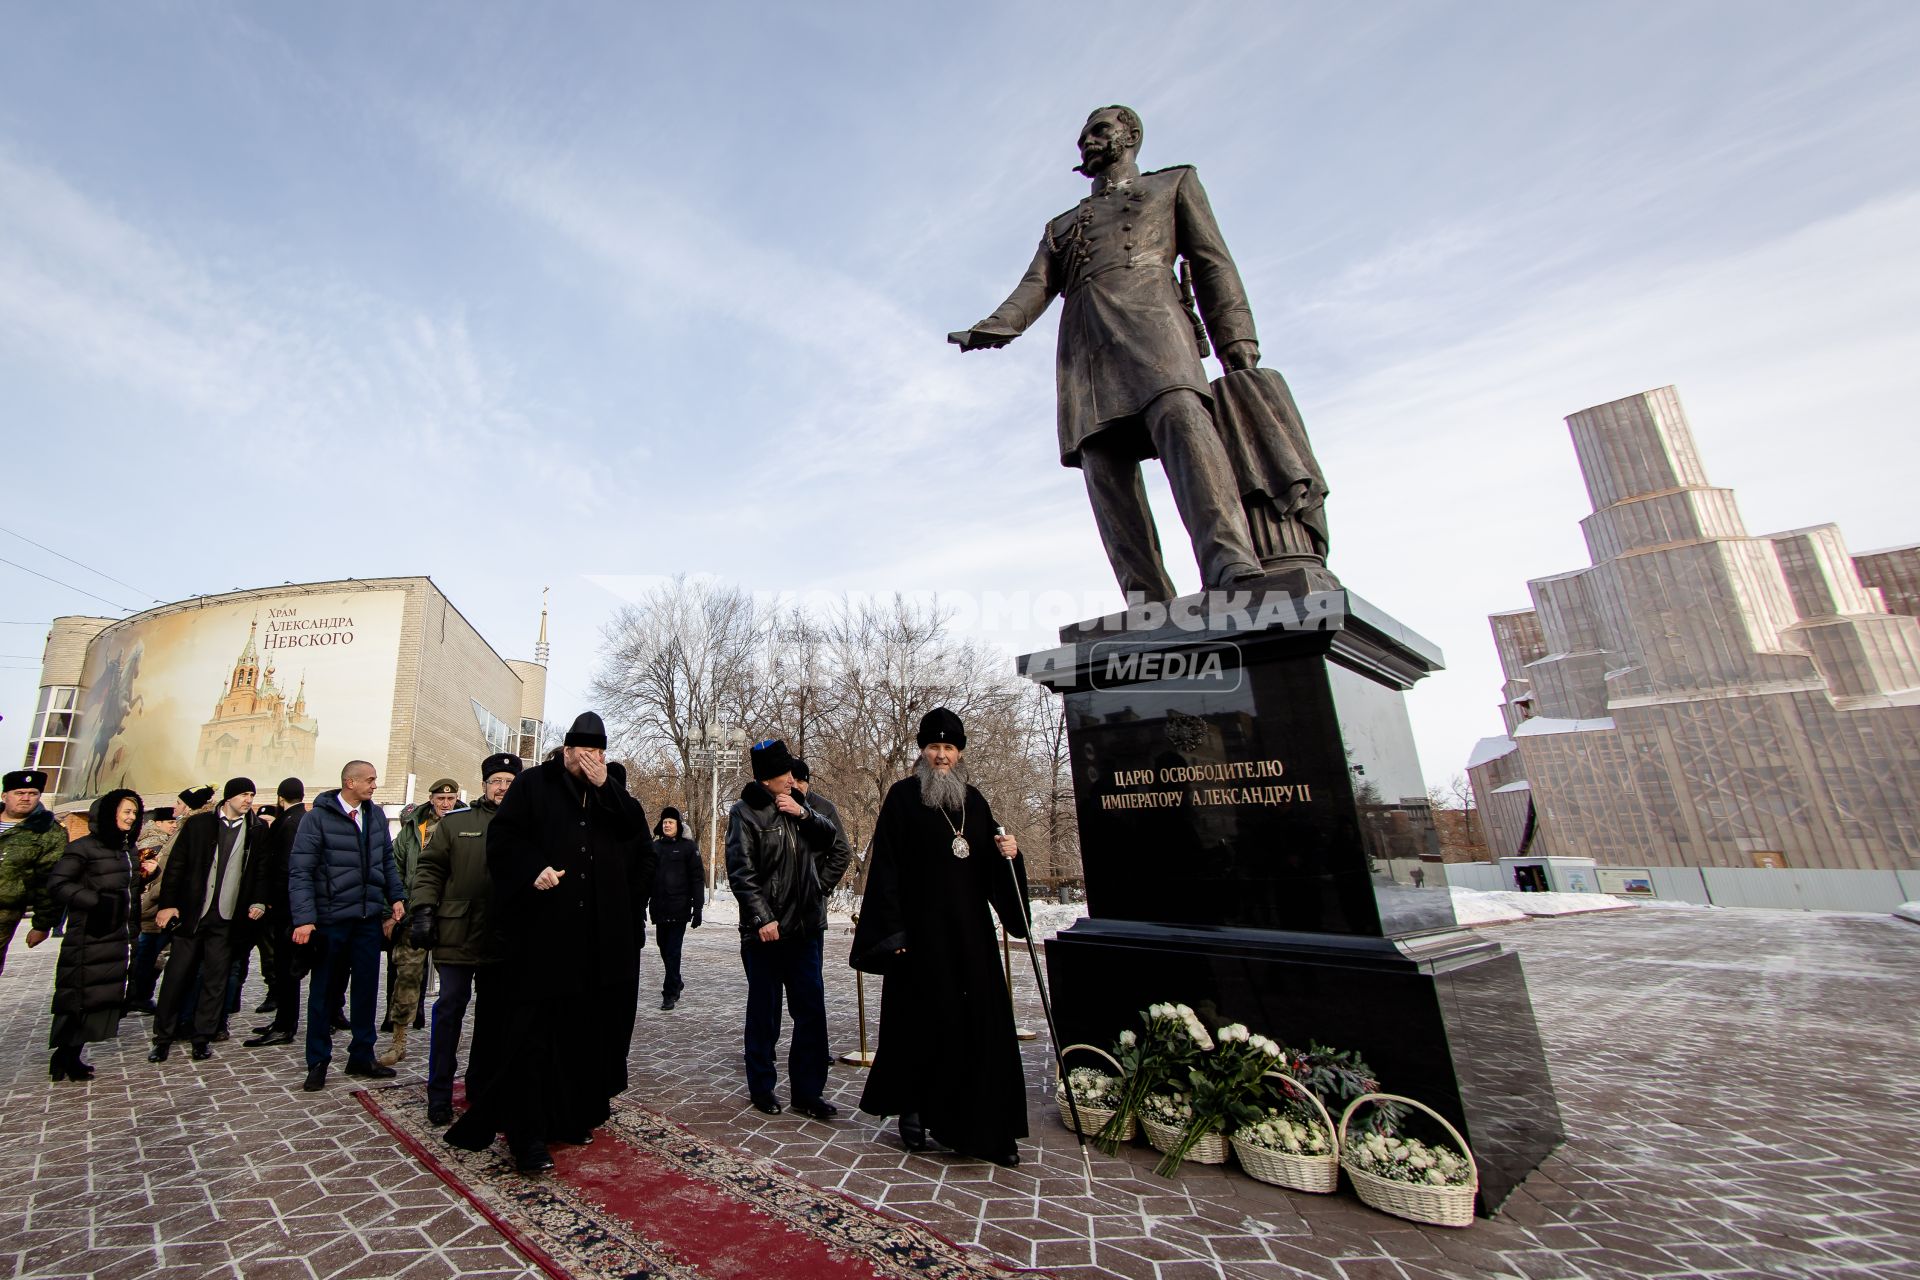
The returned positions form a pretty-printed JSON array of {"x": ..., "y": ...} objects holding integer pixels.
[
  {"x": 9, "y": 921},
  {"x": 409, "y": 976}
]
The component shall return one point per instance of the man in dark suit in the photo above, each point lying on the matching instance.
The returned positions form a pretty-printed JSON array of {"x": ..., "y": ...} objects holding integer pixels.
[
  {"x": 289, "y": 961},
  {"x": 1130, "y": 381},
  {"x": 206, "y": 889}
]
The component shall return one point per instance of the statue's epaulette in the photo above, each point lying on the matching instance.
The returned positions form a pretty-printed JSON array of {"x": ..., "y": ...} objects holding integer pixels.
[{"x": 1169, "y": 169}]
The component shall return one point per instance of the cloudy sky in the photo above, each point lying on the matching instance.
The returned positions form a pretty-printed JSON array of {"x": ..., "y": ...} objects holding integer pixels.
[{"x": 575, "y": 295}]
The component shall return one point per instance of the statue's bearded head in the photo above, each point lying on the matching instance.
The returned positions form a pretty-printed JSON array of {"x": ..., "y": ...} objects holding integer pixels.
[{"x": 1110, "y": 135}]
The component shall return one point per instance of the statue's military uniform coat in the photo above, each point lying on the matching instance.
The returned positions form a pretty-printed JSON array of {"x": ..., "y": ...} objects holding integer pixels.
[{"x": 1125, "y": 336}]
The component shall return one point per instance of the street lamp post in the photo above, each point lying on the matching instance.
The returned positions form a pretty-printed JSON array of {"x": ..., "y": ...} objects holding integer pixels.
[{"x": 715, "y": 749}]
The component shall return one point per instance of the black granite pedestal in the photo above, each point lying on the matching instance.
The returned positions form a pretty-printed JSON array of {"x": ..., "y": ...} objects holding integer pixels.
[{"x": 1241, "y": 761}]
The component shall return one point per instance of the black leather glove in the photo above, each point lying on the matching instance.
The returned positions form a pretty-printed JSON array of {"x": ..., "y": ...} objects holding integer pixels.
[
  {"x": 696, "y": 919},
  {"x": 425, "y": 934}
]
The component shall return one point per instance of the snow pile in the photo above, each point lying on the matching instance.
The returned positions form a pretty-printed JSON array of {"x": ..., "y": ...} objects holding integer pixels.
[
  {"x": 1672, "y": 904},
  {"x": 1477, "y": 906},
  {"x": 1482, "y": 906},
  {"x": 1050, "y": 918},
  {"x": 1908, "y": 911}
]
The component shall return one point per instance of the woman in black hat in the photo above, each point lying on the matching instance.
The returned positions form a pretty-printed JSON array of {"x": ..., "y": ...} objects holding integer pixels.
[
  {"x": 92, "y": 885},
  {"x": 679, "y": 888}
]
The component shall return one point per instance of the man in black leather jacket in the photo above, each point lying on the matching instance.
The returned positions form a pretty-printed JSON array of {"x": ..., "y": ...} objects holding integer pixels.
[{"x": 783, "y": 859}]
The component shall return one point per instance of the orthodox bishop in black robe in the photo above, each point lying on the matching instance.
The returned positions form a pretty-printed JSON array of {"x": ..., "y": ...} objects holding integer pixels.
[
  {"x": 947, "y": 1052},
  {"x": 571, "y": 860}
]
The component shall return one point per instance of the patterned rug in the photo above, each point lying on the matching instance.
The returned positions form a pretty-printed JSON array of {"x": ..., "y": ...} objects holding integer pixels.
[{"x": 650, "y": 1199}]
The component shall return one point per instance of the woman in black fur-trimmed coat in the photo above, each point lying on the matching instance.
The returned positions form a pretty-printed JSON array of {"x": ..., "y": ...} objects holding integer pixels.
[{"x": 93, "y": 885}]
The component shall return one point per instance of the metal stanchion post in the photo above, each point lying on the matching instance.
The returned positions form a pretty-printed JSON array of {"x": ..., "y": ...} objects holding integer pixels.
[
  {"x": 859, "y": 1057},
  {"x": 1006, "y": 960}
]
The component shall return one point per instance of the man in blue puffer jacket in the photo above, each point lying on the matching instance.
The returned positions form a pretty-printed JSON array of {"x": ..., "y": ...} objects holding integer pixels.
[{"x": 343, "y": 884}]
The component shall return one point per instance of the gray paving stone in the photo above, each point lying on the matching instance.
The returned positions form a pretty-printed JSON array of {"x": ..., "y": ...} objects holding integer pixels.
[{"x": 1738, "y": 1088}]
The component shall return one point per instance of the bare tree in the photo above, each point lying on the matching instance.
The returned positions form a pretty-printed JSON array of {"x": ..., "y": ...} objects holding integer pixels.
[
  {"x": 846, "y": 689},
  {"x": 688, "y": 655}
]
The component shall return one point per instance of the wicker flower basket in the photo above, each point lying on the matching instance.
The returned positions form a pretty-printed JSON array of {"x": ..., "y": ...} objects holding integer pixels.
[
  {"x": 1318, "y": 1174},
  {"x": 1211, "y": 1149},
  {"x": 1093, "y": 1118},
  {"x": 1449, "y": 1206}
]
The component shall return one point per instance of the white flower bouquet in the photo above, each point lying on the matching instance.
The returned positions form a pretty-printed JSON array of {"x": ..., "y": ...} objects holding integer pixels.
[
  {"x": 1294, "y": 1131},
  {"x": 1093, "y": 1089},
  {"x": 1410, "y": 1160}
]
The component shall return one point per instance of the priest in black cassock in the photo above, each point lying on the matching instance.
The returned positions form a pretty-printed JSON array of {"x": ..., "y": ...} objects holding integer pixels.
[
  {"x": 571, "y": 860},
  {"x": 947, "y": 1063}
]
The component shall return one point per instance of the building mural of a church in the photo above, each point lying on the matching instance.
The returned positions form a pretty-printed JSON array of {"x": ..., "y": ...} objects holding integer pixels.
[
  {"x": 254, "y": 723},
  {"x": 280, "y": 682}
]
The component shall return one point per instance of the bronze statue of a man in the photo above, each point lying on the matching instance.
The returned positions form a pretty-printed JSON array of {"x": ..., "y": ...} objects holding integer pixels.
[{"x": 1131, "y": 385}]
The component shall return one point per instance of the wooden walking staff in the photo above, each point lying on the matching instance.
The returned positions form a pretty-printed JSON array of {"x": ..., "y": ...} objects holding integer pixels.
[
  {"x": 859, "y": 1057},
  {"x": 1053, "y": 1032}
]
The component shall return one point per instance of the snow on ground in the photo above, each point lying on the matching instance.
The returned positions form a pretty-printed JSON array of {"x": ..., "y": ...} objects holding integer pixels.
[
  {"x": 1908, "y": 911},
  {"x": 1470, "y": 907},
  {"x": 1483, "y": 906}
]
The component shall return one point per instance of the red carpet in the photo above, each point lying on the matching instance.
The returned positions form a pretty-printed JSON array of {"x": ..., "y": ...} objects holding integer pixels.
[{"x": 650, "y": 1199}]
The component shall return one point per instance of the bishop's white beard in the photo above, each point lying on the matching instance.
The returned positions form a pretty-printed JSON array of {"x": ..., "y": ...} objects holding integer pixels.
[{"x": 942, "y": 790}]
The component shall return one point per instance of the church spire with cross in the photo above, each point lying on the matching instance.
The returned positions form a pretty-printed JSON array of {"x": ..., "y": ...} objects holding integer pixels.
[{"x": 540, "y": 647}]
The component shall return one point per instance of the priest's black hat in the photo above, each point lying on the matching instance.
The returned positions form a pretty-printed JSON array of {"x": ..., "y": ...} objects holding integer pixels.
[
  {"x": 587, "y": 731},
  {"x": 196, "y": 797},
  {"x": 941, "y": 725},
  {"x": 771, "y": 759}
]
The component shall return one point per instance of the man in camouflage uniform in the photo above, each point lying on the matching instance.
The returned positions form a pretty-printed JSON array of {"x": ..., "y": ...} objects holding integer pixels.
[
  {"x": 405, "y": 962},
  {"x": 30, "y": 843},
  {"x": 450, "y": 897}
]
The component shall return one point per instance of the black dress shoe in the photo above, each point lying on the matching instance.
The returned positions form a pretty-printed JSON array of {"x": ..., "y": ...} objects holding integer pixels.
[
  {"x": 340, "y": 1023},
  {"x": 466, "y": 1136},
  {"x": 386, "y": 1026},
  {"x": 668, "y": 1002},
  {"x": 815, "y": 1108},
  {"x": 145, "y": 1008},
  {"x": 439, "y": 1117},
  {"x": 269, "y": 1005},
  {"x": 1006, "y": 1159},
  {"x": 201, "y": 1051},
  {"x": 316, "y": 1078},
  {"x": 221, "y": 1034},
  {"x": 767, "y": 1103},
  {"x": 574, "y": 1139},
  {"x": 269, "y": 1036},
  {"x": 161, "y": 1049},
  {"x": 371, "y": 1071},
  {"x": 913, "y": 1136},
  {"x": 532, "y": 1158}
]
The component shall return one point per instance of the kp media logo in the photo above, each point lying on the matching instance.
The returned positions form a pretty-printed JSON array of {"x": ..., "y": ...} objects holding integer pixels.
[{"x": 1203, "y": 668}]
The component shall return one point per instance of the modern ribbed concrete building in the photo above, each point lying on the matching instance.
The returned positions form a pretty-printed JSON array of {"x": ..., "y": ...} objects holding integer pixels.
[
  {"x": 1699, "y": 696},
  {"x": 288, "y": 681}
]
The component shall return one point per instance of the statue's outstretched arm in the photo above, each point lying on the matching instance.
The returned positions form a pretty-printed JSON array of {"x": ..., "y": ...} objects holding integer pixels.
[{"x": 1023, "y": 306}]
